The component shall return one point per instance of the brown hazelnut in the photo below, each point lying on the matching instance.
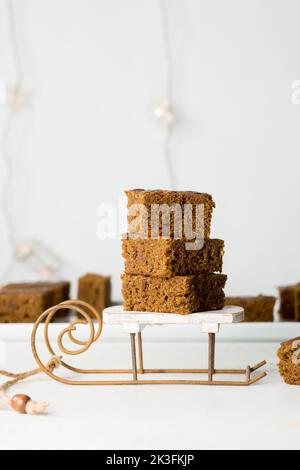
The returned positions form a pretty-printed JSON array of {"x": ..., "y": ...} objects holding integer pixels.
[{"x": 19, "y": 402}]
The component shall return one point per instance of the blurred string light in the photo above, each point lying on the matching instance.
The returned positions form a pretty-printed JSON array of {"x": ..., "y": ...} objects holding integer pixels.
[
  {"x": 33, "y": 254},
  {"x": 164, "y": 111}
]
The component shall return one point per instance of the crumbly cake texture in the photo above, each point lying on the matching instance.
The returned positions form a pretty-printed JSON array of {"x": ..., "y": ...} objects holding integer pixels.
[
  {"x": 147, "y": 198},
  {"x": 287, "y": 306},
  {"x": 24, "y": 305},
  {"x": 60, "y": 289},
  {"x": 95, "y": 289},
  {"x": 289, "y": 361},
  {"x": 257, "y": 309},
  {"x": 179, "y": 294},
  {"x": 168, "y": 257}
]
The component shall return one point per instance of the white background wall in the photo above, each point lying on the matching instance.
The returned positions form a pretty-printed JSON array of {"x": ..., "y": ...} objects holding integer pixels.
[{"x": 97, "y": 65}]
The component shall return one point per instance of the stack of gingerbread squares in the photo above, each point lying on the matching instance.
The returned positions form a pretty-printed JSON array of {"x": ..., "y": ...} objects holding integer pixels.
[{"x": 169, "y": 268}]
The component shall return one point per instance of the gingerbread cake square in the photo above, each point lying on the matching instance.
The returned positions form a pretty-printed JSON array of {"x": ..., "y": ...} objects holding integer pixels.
[
  {"x": 24, "y": 305},
  {"x": 289, "y": 361},
  {"x": 179, "y": 294},
  {"x": 168, "y": 257},
  {"x": 95, "y": 289},
  {"x": 170, "y": 199},
  {"x": 257, "y": 308},
  {"x": 289, "y": 302},
  {"x": 60, "y": 289}
]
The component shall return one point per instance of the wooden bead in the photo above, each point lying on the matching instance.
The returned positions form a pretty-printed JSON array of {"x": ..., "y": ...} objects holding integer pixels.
[{"x": 19, "y": 402}]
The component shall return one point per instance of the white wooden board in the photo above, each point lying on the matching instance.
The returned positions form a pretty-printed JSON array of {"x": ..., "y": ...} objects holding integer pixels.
[{"x": 134, "y": 322}]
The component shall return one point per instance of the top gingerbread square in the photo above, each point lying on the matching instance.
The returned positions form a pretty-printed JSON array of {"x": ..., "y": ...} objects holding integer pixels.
[{"x": 171, "y": 214}]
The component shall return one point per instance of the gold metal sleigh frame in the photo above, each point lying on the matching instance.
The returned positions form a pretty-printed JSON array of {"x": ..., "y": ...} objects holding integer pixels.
[{"x": 89, "y": 314}]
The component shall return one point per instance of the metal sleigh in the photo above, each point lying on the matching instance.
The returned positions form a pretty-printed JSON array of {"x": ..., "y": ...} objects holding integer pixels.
[{"x": 133, "y": 323}]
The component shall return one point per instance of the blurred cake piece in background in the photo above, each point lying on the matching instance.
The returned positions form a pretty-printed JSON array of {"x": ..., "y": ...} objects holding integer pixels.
[
  {"x": 289, "y": 302},
  {"x": 59, "y": 289},
  {"x": 257, "y": 308},
  {"x": 24, "y": 305},
  {"x": 24, "y": 302},
  {"x": 95, "y": 289}
]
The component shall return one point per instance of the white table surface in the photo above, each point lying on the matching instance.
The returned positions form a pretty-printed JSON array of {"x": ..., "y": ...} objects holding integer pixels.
[{"x": 263, "y": 416}]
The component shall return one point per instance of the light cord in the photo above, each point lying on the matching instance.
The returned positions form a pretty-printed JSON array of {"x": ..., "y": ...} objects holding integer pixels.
[
  {"x": 12, "y": 31},
  {"x": 8, "y": 125},
  {"x": 34, "y": 254},
  {"x": 169, "y": 127},
  {"x": 6, "y": 155},
  {"x": 167, "y": 48},
  {"x": 167, "y": 152}
]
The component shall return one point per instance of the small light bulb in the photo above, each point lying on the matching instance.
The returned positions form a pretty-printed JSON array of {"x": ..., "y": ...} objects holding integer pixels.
[
  {"x": 164, "y": 113},
  {"x": 169, "y": 117},
  {"x": 159, "y": 111},
  {"x": 24, "y": 250},
  {"x": 19, "y": 97}
]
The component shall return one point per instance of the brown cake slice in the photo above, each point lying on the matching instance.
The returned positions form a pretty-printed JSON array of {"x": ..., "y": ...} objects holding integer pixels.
[
  {"x": 95, "y": 289},
  {"x": 289, "y": 306},
  {"x": 179, "y": 294},
  {"x": 167, "y": 257},
  {"x": 60, "y": 289},
  {"x": 257, "y": 308},
  {"x": 289, "y": 361},
  {"x": 169, "y": 198},
  {"x": 24, "y": 305}
]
